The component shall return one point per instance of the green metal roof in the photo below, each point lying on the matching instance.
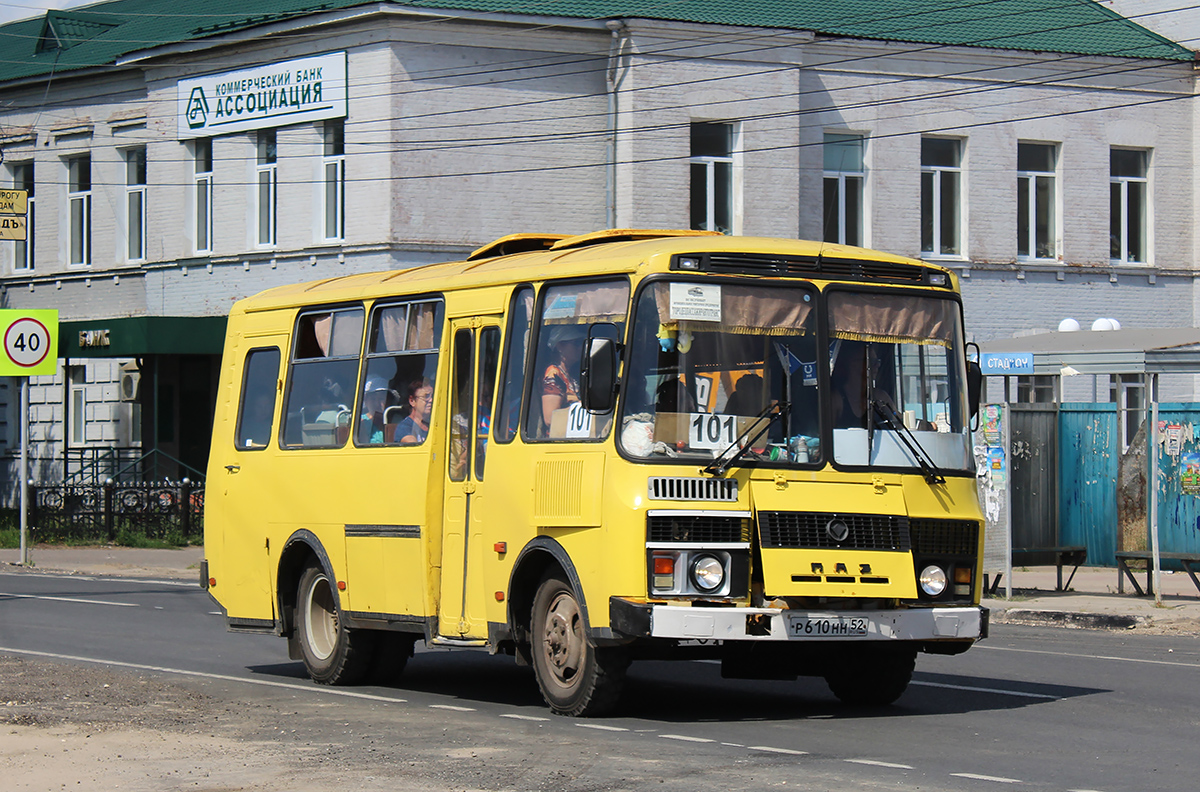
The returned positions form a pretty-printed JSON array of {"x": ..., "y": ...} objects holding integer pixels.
[{"x": 99, "y": 34}]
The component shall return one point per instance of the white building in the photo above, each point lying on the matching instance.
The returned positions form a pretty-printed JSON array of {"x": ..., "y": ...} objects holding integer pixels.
[{"x": 1045, "y": 155}]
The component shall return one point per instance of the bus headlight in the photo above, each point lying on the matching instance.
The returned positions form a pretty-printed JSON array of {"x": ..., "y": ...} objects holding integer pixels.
[
  {"x": 933, "y": 580},
  {"x": 708, "y": 573}
]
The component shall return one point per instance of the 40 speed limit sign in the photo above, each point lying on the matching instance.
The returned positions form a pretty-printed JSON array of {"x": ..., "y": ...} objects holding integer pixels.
[{"x": 30, "y": 342}]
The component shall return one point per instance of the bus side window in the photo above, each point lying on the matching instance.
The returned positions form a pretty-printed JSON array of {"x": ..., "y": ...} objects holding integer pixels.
[
  {"x": 256, "y": 413},
  {"x": 401, "y": 365},
  {"x": 508, "y": 408},
  {"x": 321, "y": 388}
]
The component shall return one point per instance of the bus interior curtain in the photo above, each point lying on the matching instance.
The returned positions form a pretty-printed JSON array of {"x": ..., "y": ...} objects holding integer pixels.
[
  {"x": 887, "y": 318},
  {"x": 746, "y": 309}
]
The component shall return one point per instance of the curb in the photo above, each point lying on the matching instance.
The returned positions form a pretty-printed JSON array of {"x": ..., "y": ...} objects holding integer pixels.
[{"x": 1088, "y": 621}]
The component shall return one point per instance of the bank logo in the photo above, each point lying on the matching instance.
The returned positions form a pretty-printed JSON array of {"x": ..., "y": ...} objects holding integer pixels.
[{"x": 197, "y": 109}]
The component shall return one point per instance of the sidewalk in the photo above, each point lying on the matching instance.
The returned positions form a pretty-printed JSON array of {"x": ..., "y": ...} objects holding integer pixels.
[{"x": 1092, "y": 600}]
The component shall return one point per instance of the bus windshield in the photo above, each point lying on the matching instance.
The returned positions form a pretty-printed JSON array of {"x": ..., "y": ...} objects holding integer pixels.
[
  {"x": 717, "y": 364},
  {"x": 718, "y": 368}
]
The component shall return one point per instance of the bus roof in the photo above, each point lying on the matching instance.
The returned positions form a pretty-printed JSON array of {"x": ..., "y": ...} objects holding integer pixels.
[{"x": 518, "y": 258}]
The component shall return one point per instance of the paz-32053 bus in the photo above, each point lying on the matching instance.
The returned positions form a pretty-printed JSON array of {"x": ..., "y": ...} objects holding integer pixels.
[{"x": 585, "y": 450}]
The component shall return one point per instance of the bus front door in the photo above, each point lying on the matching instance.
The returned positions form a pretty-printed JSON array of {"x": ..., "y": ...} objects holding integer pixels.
[{"x": 475, "y": 355}]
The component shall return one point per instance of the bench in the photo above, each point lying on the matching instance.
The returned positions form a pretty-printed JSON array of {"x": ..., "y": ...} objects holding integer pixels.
[
  {"x": 1123, "y": 570},
  {"x": 1076, "y": 556}
]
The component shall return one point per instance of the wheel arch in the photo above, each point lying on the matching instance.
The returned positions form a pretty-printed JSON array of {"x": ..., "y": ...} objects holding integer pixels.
[
  {"x": 300, "y": 549},
  {"x": 533, "y": 562}
]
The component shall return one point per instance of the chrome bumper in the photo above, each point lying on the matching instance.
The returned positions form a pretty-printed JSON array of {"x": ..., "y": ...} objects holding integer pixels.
[{"x": 772, "y": 624}]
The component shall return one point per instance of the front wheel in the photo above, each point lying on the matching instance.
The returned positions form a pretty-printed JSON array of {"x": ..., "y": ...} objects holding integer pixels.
[
  {"x": 576, "y": 677},
  {"x": 332, "y": 654},
  {"x": 872, "y": 677}
]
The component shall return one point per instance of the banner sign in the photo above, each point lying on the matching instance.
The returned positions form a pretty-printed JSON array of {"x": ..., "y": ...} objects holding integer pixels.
[
  {"x": 269, "y": 95},
  {"x": 1002, "y": 364}
]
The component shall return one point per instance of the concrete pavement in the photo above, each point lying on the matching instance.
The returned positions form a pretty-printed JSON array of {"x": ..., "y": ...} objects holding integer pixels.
[{"x": 1091, "y": 601}]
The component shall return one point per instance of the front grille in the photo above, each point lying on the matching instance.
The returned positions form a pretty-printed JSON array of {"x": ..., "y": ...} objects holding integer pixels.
[
  {"x": 692, "y": 488},
  {"x": 810, "y": 530},
  {"x": 696, "y": 528},
  {"x": 812, "y": 267},
  {"x": 944, "y": 537}
]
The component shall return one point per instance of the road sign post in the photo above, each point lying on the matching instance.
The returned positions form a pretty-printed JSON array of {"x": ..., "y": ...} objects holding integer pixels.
[{"x": 30, "y": 348}]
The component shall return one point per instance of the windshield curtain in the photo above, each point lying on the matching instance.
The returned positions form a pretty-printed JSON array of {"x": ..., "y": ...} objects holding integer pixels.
[
  {"x": 896, "y": 374},
  {"x": 711, "y": 363}
]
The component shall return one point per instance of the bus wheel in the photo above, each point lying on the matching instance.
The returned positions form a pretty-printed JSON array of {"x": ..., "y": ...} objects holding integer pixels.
[
  {"x": 872, "y": 677},
  {"x": 332, "y": 654},
  {"x": 576, "y": 678}
]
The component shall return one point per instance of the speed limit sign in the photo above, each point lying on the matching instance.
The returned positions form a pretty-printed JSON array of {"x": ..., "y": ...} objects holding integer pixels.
[{"x": 30, "y": 342}]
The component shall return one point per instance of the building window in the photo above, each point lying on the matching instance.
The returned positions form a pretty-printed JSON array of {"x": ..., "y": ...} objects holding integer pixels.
[
  {"x": 1128, "y": 206},
  {"x": 712, "y": 177},
  {"x": 23, "y": 251},
  {"x": 335, "y": 180},
  {"x": 77, "y": 419},
  {"x": 844, "y": 174},
  {"x": 1128, "y": 392},
  {"x": 1036, "y": 389},
  {"x": 135, "y": 204},
  {"x": 203, "y": 179},
  {"x": 1037, "y": 220},
  {"x": 941, "y": 196},
  {"x": 79, "y": 200},
  {"x": 267, "y": 186}
]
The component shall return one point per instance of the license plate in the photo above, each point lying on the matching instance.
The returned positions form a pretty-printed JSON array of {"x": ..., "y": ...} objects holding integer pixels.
[{"x": 828, "y": 627}]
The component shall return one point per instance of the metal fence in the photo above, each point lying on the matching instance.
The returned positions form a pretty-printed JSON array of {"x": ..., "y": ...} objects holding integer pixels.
[{"x": 102, "y": 512}]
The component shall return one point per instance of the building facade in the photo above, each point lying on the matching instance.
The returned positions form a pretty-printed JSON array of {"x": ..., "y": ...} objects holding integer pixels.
[{"x": 178, "y": 164}]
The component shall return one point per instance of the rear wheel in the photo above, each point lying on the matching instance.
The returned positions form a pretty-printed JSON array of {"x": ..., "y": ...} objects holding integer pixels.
[
  {"x": 576, "y": 677},
  {"x": 872, "y": 677},
  {"x": 332, "y": 654}
]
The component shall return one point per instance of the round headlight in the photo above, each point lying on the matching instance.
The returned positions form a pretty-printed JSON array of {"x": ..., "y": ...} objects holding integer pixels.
[
  {"x": 933, "y": 580},
  {"x": 708, "y": 573}
]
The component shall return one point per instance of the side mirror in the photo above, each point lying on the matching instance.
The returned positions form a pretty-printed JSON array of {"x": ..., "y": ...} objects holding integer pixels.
[
  {"x": 598, "y": 375},
  {"x": 974, "y": 386}
]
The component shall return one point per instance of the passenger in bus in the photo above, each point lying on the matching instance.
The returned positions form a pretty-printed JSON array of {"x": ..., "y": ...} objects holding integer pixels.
[
  {"x": 375, "y": 401},
  {"x": 560, "y": 382},
  {"x": 415, "y": 427},
  {"x": 747, "y": 396}
]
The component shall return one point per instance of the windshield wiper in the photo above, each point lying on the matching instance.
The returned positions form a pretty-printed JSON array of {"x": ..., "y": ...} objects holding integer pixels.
[
  {"x": 932, "y": 474},
  {"x": 719, "y": 465}
]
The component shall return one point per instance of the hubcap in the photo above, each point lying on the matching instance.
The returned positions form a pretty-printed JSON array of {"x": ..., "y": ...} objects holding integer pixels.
[
  {"x": 321, "y": 624},
  {"x": 563, "y": 642}
]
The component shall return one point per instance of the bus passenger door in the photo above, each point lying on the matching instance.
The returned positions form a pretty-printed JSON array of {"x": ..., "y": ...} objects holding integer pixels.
[{"x": 475, "y": 354}]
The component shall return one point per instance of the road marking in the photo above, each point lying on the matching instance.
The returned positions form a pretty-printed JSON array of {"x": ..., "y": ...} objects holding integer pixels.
[
  {"x": 734, "y": 745},
  {"x": 522, "y": 717},
  {"x": 1091, "y": 657},
  {"x": 601, "y": 727},
  {"x": 997, "y": 779},
  {"x": 452, "y": 708},
  {"x": 109, "y": 579},
  {"x": 204, "y": 675},
  {"x": 876, "y": 763},
  {"x": 999, "y": 691},
  {"x": 70, "y": 599},
  {"x": 769, "y": 749},
  {"x": 685, "y": 738}
]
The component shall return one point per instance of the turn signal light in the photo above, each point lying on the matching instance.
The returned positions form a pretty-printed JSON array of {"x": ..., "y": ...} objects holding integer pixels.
[
  {"x": 664, "y": 565},
  {"x": 962, "y": 574}
]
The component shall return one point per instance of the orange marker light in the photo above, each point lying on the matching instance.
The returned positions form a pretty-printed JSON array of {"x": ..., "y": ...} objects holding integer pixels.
[
  {"x": 212, "y": 582},
  {"x": 499, "y": 596},
  {"x": 664, "y": 565},
  {"x": 341, "y": 585},
  {"x": 500, "y": 547}
]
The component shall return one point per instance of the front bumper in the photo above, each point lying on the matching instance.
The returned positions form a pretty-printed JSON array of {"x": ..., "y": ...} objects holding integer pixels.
[{"x": 680, "y": 622}]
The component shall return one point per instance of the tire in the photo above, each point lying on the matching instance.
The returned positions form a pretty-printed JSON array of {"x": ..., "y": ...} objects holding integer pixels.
[
  {"x": 332, "y": 654},
  {"x": 575, "y": 677},
  {"x": 872, "y": 677},
  {"x": 392, "y": 651}
]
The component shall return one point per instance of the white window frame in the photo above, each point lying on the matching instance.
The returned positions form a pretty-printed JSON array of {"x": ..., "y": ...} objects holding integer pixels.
[
  {"x": 1122, "y": 183},
  {"x": 1128, "y": 392},
  {"x": 202, "y": 196},
  {"x": 842, "y": 176},
  {"x": 24, "y": 252},
  {"x": 710, "y": 162},
  {"x": 78, "y": 415},
  {"x": 940, "y": 174},
  {"x": 333, "y": 181},
  {"x": 1027, "y": 183},
  {"x": 135, "y": 204},
  {"x": 266, "y": 181},
  {"x": 81, "y": 200}
]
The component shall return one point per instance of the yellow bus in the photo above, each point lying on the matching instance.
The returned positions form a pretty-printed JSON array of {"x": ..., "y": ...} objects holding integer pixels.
[{"x": 585, "y": 450}]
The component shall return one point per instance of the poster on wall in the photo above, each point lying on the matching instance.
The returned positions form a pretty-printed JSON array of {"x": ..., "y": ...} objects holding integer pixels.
[{"x": 1189, "y": 473}]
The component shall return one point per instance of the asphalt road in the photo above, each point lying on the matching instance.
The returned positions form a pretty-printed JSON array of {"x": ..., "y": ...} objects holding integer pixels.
[{"x": 1030, "y": 708}]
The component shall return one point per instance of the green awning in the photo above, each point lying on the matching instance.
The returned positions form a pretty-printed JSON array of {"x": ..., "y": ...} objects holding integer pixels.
[{"x": 137, "y": 336}]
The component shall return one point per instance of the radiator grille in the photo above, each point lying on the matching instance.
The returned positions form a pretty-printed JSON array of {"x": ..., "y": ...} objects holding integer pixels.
[
  {"x": 945, "y": 537},
  {"x": 839, "y": 269},
  {"x": 683, "y": 488},
  {"x": 810, "y": 530},
  {"x": 697, "y": 528}
]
